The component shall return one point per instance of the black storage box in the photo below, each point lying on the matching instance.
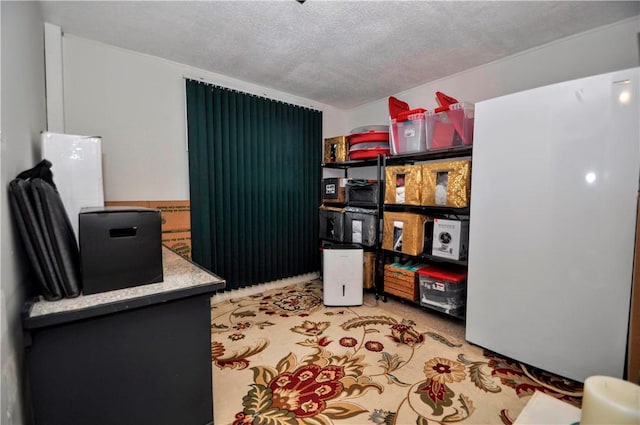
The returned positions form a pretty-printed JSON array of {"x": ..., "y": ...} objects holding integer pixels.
[
  {"x": 333, "y": 190},
  {"x": 331, "y": 224},
  {"x": 120, "y": 247},
  {"x": 360, "y": 226},
  {"x": 362, "y": 193}
]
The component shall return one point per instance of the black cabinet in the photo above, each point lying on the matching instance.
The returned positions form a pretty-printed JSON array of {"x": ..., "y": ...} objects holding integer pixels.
[{"x": 134, "y": 356}]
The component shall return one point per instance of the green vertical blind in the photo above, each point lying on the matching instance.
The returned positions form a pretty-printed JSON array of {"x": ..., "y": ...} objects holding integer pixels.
[{"x": 254, "y": 184}]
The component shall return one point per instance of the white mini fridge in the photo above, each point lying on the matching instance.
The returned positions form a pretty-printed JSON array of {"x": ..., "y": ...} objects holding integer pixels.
[
  {"x": 342, "y": 275},
  {"x": 77, "y": 171}
]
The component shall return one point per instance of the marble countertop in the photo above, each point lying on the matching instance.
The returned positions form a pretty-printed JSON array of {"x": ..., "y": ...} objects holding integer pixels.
[{"x": 180, "y": 276}]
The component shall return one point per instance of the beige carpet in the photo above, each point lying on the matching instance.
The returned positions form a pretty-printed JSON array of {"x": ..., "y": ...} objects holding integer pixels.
[{"x": 281, "y": 357}]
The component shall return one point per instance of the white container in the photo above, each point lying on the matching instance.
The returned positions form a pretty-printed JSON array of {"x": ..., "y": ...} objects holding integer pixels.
[
  {"x": 77, "y": 171},
  {"x": 450, "y": 238},
  {"x": 342, "y": 276}
]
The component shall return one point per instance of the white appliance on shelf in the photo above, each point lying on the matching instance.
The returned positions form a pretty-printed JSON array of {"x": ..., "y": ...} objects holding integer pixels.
[
  {"x": 342, "y": 275},
  {"x": 552, "y": 224},
  {"x": 77, "y": 171}
]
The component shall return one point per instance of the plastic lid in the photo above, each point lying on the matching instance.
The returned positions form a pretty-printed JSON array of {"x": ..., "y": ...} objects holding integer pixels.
[
  {"x": 369, "y": 145},
  {"x": 370, "y": 128},
  {"x": 396, "y": 106},
  {"x": 445, "y": 100},
  {"x": 372, "y": 136},
  {"x": 444, "y": 274},
  {"x": 358, "y": 148},
  {"x": 407, "y": 115}
]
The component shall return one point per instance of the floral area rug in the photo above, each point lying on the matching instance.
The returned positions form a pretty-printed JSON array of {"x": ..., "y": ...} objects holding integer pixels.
[{"x": 282, "y": 357}]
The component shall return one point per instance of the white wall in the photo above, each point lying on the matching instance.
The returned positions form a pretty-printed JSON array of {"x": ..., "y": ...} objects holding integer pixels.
[
  {"x": 609, "y": 48},
  {"x": 136, "y": 103},
  {"x": 22, "y": 119}
]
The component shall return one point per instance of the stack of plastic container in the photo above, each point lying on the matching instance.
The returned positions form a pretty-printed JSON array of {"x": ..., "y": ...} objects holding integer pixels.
[
  {"x": 368, "y": 142},
  {"x": 418, "y": 130}
]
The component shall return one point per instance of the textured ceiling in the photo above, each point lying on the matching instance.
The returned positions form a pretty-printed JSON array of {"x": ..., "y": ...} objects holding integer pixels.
[{"x": 340, "y": 53}]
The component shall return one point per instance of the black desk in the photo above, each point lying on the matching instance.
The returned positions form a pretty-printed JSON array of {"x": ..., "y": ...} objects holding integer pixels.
[{"x": 137, "y": 356}]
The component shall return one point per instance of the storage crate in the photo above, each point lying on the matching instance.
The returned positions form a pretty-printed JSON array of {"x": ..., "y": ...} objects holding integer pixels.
[
  {"x": 443, "y": 289},
  {"x": 360, "y": 226},
  {"x": 335, "y": 149},
  {"x": 401, "y": 280},
  {"x": 334, "y": 190},
  {"x": 403, "y": 184},
  {"x": 450, "y": 126},
  {"x": 406, "y": 232},
  {"x": 408, "y": 136},
  {"x": 363, "y": 193},
  {"x": 331, "y": 223},
  {"x": 120, "y": 247},
  {"x": 446, "y": 183}
]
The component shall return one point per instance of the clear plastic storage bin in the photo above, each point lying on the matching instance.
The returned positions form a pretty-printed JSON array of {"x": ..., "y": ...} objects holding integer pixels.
[
  {"x": 408, "y": 136},
  {"x": 442, "y": 289},
  {"x": 450, "y": 126}
]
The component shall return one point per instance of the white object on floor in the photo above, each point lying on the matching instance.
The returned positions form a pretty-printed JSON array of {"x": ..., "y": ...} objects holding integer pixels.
[
  {"x": 342, "y": 275},
  {"x": 543, "y": 409}
]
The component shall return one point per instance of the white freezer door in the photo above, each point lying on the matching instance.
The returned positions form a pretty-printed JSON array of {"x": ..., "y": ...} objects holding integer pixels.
[{"x": 553, "y": 212}]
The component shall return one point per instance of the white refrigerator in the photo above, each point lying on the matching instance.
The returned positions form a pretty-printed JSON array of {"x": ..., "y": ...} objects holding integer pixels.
[
  {"x": 77, "y": 171},
  {"x": 552, "y": 224}
]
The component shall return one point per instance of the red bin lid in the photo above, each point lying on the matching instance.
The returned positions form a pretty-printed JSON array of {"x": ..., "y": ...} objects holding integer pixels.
[
  {"x": 396, "y": 106},
  {"x": 368, "y": 153},
  {"x": 445, "y": 100},
  {"x": 404, "y": 116},
  {"x": 444, "y": 274},
  {"x": 372, "y": 136}
]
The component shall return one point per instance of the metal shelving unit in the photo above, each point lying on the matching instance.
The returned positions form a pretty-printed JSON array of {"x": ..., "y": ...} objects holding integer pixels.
[
  {"x": 460, "y": 152},
  {"x": 373, "y": 162}
]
